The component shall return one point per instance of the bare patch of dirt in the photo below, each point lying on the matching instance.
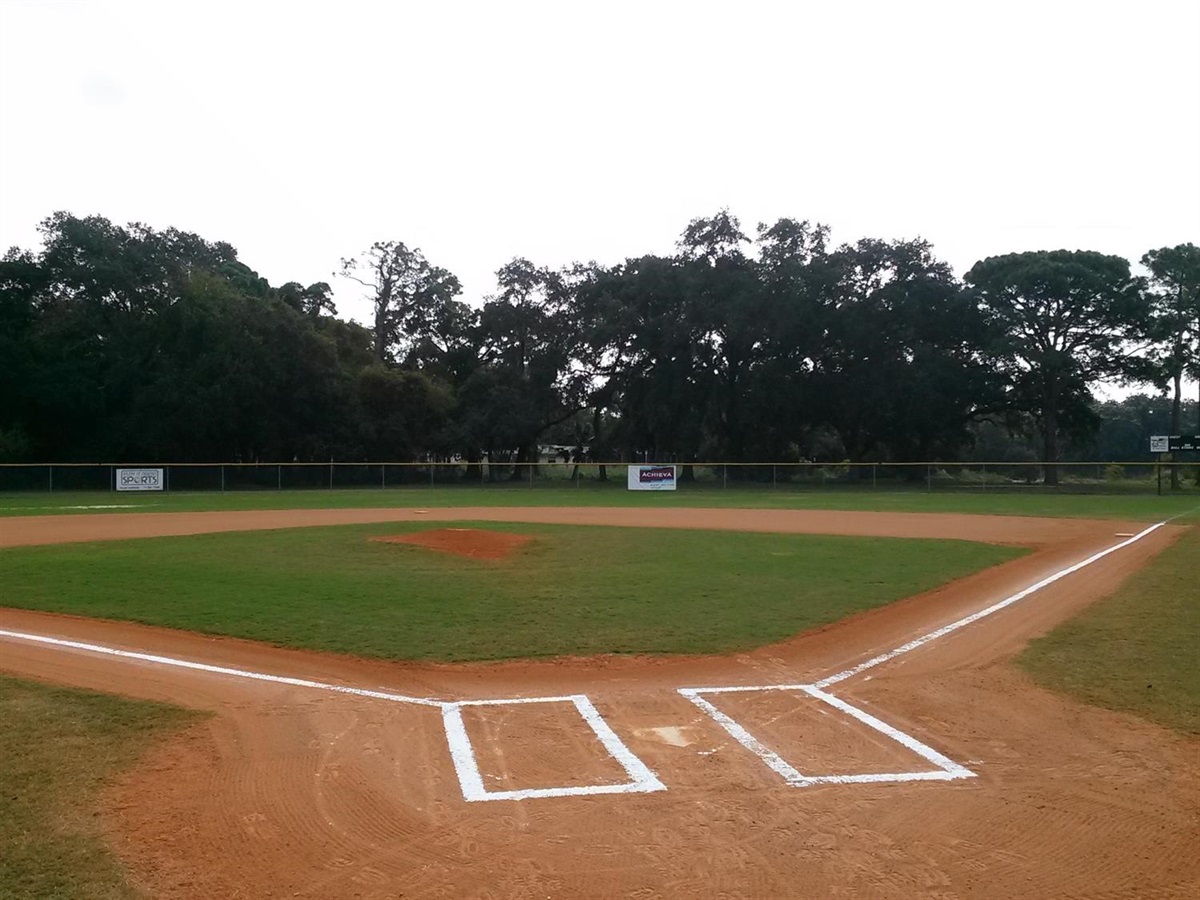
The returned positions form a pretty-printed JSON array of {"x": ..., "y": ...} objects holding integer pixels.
[{"x": 470, "y": 542}]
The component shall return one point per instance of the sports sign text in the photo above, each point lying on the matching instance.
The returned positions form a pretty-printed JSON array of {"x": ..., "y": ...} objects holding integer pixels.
[{"x": 139, "y": 479}]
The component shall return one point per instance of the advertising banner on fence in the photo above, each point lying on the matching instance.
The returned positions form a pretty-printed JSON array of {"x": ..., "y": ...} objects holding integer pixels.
[
  {"x": 651, "y": 478},
  {"x": 139, "y": 479}
]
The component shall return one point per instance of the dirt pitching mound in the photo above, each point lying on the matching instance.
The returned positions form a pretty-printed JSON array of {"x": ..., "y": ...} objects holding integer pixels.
[{"x": 472, "y": 542}]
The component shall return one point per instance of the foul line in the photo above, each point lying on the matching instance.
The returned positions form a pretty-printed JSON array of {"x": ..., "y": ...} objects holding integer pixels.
[
  {"x": 983, "y": 613},
  {"x": 220, "y": 670},
  {"x": 641, "y": 778},
  {"x": 947, "y": 769}
]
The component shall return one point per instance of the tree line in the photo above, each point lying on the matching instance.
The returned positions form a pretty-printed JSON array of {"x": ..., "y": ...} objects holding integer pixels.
[{"x": 127, "y": 343}]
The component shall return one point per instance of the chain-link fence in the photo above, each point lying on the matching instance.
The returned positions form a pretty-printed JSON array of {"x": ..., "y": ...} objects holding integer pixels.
[{"x": 1072, "y": 477}]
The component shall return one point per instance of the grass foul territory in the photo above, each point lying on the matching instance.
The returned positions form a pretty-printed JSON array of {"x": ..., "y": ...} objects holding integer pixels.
[
  {"x": 568, "y": 591},
  {"x": 1135, "y": 651},
  {"x": 58, "y": 748}
]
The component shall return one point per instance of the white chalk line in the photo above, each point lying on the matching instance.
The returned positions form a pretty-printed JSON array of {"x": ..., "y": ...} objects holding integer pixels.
[
  {"x": 87, "y": 506},
  {"x": 947, "y": 769},
  {"x": 642, "y": 779},
  {"x": 983, "y": 613},
  {"x": 218, "y": 670},
  {"x": 776, "y": 762}
]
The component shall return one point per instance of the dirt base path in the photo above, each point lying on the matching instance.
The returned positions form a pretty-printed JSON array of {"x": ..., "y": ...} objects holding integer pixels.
[{"x": 291, "y": 791}]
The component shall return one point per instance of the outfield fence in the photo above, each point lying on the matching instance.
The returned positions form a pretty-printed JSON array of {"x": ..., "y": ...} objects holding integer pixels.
[{"x": 1073, "y": 477}]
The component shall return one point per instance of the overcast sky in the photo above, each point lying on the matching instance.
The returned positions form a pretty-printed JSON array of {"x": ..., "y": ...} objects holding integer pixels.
[{"x": 302, "y": 132}]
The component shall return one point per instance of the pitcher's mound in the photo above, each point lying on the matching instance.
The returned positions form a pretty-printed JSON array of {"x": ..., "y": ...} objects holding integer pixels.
[{"x": 473, "y": 542}]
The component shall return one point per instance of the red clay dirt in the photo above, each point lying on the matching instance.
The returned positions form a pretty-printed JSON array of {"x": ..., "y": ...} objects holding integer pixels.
[
  {"x": 474, "y": 543},
  {"x": 291, "y": 792}
]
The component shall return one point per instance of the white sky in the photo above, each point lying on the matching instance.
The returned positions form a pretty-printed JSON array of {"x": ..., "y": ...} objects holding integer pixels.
[{"x": 302, "y": 132}]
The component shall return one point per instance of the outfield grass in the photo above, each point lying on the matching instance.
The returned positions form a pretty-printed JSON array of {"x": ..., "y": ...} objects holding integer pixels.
[
  {"x": 572, "y": 591},
  {"x": 58, "y": 748},
  {"x": 981, "y": 502},
  {"x": 1138, "y": 650}
]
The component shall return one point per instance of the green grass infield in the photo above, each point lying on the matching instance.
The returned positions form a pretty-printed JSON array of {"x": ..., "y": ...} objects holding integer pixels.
[
  {"x": 572, "y": 590},
  {"x": 58, "y": 748},
  {"x": 1135, "y": 651}
]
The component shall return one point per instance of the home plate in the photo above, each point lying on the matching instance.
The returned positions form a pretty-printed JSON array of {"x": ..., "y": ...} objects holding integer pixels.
[{"x": 668, "y": 734}]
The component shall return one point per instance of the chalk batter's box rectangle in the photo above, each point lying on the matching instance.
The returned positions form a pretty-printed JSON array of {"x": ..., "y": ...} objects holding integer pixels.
[
  {"x": 947, "y": 769},
  {"x": 641, "y": 779}
]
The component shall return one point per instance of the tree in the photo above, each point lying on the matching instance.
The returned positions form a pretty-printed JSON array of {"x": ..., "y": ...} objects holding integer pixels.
[
  {"x": 143, "y": 344},
  {"x": 644, "y": 352},
  {"x": 1061, "y": 320},
  {"x": 1175, "y": 320},
  {"x": 1174, "y": 324},
  {"x": 405, "y": 410},
  {"x": 20, "y": 283},
  {"x": 799, "y": 278},
  {"x": 731, "y": 309},
  {"x": 527, "y": 341},
  {"x": 99, "y": 298},
  {"x": 899, "y": 369},
  {"x": 408, "y": 294},
  {"x": 313, "y": 301}
]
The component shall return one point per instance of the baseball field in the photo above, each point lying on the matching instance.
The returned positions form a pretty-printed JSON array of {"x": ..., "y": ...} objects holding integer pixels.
[{"x": 577, "y": 693}]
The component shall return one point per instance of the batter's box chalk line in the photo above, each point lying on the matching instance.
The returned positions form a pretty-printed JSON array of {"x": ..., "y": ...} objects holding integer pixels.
[
  {"x": 641, "y": 779},
  {"x": 946, "y": 768}
]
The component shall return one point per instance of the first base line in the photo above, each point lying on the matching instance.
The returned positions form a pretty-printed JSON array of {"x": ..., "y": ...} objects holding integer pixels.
[{"x": 945, "y": 768}]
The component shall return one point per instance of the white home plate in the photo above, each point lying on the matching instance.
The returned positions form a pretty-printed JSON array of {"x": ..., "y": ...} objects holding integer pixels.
[{"x": 668, "y": 734}]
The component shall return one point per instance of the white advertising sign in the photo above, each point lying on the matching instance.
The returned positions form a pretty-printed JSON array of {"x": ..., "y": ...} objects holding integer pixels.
[
  {"x": 651, "y": 478},
  {"x": 1160, "y": 443},
  {"x": 139, "y": 479}
]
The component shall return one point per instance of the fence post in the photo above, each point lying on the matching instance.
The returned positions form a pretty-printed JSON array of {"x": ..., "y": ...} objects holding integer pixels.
[
  {"x": 874, "y": 478},
  {"x": 383, "y": 475},
  {"x": 928, "y": 478},
  {"x": 724, "y": 477},
  {"x": 51, "y": 468},
  {"x": 222, "y": 478},
  {"x": 431, "y": 473},
  {"x": 773, "y": 482},
  {"x": 331, "y": 473},
  {"x": 983, "y": 475}
]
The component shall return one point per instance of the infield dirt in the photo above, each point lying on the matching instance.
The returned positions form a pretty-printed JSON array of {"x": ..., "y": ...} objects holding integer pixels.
[{"x": 292, "y": 792}]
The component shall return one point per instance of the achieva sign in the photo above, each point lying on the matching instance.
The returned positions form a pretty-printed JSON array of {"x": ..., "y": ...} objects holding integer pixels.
[{"x": 651, "y": 478}]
